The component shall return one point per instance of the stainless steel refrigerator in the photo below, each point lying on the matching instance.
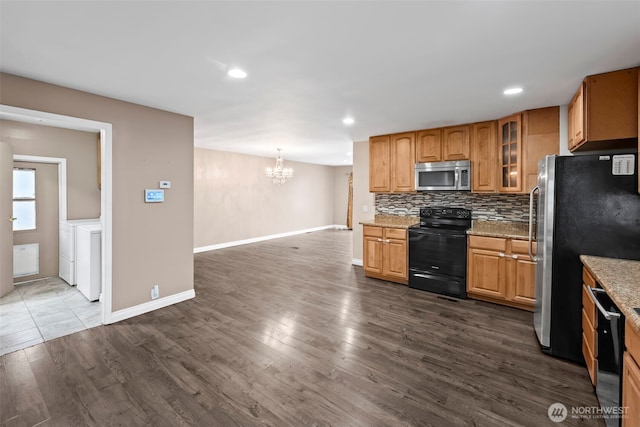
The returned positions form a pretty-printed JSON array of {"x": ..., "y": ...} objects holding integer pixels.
[{"x": 587, "y": 204}]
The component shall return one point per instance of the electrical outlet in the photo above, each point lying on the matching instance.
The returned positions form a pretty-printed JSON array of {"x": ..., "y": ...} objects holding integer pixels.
[
  {"x": 365, "y": 208},
  {"x": 155, "y": 291}
]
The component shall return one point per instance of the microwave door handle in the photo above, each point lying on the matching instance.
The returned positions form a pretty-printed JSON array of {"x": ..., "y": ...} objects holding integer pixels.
[
  {"x": 531, "y": 193},
  {"x": 456, "y": 177}
]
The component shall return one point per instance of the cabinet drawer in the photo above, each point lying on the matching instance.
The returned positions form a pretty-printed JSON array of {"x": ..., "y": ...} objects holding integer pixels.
[
  {"x": 589, "y": 334},
  {"x": 522, "y": 247},
  {"x": 369, "y": 230},
  {"x": 589, "y": 307},
  {"x": 590, "y": 360},
  {"x": 632, "y": 341},
  {"x": 395, "y": 233},
  {"x": 587, "y": 278},
  {"x": 490, "y": 243}
]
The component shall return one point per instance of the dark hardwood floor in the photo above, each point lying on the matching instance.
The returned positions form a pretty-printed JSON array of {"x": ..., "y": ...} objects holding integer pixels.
[{"x": 288, "y": 333}]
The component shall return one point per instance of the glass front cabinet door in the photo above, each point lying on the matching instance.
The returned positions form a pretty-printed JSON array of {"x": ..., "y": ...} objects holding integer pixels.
[{"x": 510, "y": 154}]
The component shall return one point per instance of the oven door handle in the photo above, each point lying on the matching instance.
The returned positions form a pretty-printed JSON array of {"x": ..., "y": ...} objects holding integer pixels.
[
  {"x": 428, "y": 276},
  {"x": 436, "y": 232},
  {"x": 607, "y": 314}
]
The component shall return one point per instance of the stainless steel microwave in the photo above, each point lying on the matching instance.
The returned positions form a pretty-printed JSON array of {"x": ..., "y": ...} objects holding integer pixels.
[{"x": 449, "y": 176}]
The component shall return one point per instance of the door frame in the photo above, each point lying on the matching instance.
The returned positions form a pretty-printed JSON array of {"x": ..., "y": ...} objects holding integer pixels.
[
  {"x": 6, "y": 214},
  {"x": 106, "y": 173}
]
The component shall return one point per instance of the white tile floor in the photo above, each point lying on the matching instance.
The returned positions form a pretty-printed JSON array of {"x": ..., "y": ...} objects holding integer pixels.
[{"x": 42, "y": 310}]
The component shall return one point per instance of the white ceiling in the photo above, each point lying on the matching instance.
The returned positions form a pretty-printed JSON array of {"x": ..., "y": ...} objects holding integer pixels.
[{"x": 393, "y": 66}]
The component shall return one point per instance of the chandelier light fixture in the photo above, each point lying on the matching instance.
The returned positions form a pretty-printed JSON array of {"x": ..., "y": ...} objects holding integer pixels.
[{"x": 279, "y": 174}]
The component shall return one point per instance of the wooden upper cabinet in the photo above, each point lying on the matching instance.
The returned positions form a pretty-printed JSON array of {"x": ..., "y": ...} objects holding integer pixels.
[
  {"x": 510, "y": 154},
  {"x": 483, "y": 157},
  {"x": 455, "y": 143},
  {"x": 403, "y": 162},
  {"x": 541, "y": 137},
  {"x": 575, "y": 119},
  {"x": 446, "y": 144},
  {"x": 429, "y": 146},
  {"x": 604, "y": 112},
  {"x": 379, "y": 164},
  {"x": 392, "y": 163}
]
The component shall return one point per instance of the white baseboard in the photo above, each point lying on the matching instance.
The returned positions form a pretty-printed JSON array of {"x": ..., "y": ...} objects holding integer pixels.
[
  {"x": 262, "y": 238},
  {"x": 356, "y": 261},
  {"x": 146, "y": 307}
]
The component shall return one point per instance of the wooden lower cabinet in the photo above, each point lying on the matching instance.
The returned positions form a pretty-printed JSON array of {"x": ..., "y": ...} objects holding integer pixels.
[
  {"x": 589, "y": 327},
  {"x": 631, "y": 378},
  {"x": 501, "y": 271},
  {"x": 385, "y": 253}
]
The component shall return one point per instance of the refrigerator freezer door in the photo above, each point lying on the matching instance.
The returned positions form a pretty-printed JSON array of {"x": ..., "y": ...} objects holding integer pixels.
[{"x": 544, "y": 238}]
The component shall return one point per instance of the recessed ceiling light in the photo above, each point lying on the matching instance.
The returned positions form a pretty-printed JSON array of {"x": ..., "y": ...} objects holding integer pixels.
[
  {"x": 513, "y": 91},
  {"x": 237, "y": 73},
  {"x": 348, "y": 121}
]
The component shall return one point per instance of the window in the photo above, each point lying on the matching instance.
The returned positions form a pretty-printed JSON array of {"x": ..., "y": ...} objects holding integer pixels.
[{"x": 24, "y": 199}]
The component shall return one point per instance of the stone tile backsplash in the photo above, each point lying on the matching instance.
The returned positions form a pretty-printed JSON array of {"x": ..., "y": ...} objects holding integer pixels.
[{"x": 492, "y": 207}]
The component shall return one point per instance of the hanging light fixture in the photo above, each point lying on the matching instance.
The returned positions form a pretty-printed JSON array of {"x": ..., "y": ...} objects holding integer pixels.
[{"x": 279, "y": 174}]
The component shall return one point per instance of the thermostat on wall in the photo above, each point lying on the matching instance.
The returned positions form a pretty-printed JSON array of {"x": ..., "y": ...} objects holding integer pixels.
[{"x": 153, "y": 196}]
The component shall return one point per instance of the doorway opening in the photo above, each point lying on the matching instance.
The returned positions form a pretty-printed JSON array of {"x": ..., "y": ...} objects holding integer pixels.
[{"x": 105, "y": 152}]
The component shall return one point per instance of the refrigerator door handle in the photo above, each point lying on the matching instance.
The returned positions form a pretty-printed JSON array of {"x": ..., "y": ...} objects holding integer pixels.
[
  {"x": 607, "y": 314},
  {"x": 531, "y": 195}
]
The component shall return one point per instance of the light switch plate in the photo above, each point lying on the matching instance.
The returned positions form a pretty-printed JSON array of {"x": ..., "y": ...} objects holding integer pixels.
[{"x": 165, "y": 184}]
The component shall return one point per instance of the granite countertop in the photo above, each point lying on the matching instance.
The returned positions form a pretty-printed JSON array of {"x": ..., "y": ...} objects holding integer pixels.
[
  {"x": 503, "y": 229},
  {"x": 392, "y": 221},
  {"x": 621, "y": 279}
]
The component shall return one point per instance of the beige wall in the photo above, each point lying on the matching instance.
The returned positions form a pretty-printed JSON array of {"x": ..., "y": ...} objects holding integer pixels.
[
  {"x": 235, "y": 201},
  {"x": 361, "y": 195},
  {"x": 152, "y": 243},
  {"x": 46, "y": 232},
  {"x": 79, "y": 148},
  {"x": 340, "y": 194}
]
